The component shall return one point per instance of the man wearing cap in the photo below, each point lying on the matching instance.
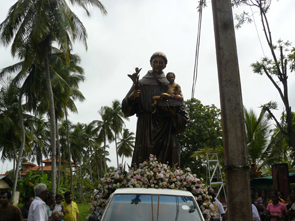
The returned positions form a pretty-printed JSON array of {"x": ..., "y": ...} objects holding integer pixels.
[
  {"x": 37, "y": 211},
  {"x": 156, "y": 132}
]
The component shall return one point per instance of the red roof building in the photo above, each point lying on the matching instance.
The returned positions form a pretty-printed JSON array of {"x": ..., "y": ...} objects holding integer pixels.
[{"x": 27, "y": 166}]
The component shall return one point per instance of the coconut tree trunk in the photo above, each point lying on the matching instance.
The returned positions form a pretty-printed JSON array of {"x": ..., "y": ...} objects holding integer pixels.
[
  {"x": 104, "y": 154},
  {"x": 97, "y": 171},
  {"x": 101, "y": 165},
  {"x": 96, "y": 157},
  {"x": 21, "y": 121},
  {"x": 69, "y": 150},
  {"x": 76, "y": 170},
  {"x": 122, "y": 158},
  {"x": 42, "y": 164},
  {"x": 116, "y": 149},
  {"x": 80, "y": 183},
  {"x": 51, "y": 114},
  {"x": 90, "y": 170},
  {"x": 14, "y": 153},
  {"x": 59, "y": 158}
]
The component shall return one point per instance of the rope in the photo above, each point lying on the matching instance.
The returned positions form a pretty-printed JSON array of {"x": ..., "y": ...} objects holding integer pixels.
[{"x": 201, "y": 3}]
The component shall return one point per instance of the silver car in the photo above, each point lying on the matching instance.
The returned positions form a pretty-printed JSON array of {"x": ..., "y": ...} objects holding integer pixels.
[{"x": 139, "y": 204}]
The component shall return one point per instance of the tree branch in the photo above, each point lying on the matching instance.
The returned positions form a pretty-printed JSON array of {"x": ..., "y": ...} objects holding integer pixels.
[
  {"x": 274, "y": 83},
  {"x": 267, "y": 33},
  {"x": 275, "y": 119}
]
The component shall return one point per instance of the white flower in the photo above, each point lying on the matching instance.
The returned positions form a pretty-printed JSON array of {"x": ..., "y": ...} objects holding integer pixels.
[{"x": 188, "y": 169}]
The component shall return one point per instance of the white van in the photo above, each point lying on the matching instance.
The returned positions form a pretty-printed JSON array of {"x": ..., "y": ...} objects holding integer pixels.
[{"x": 140, "y": 204}]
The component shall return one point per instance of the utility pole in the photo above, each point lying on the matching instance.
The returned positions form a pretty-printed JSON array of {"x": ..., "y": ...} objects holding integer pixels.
[{"x": 234, "y": 137}]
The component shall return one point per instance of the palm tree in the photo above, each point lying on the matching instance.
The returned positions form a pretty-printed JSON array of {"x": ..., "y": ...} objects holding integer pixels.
[
  {"x": 126, "y": 144},
  {"x": 98, "y": 153},
  {"x": 34, "y": 26},
  {"x": 64, "y": 131},
  {"x": 78, "y": 139},
  {"x": 65, "y": 83},
  {"x": 104, "y": 131},
  {"x": 9, "y": 129},
  {"x": 115, "y": 117},
  {"x": 39, "y": 129},
  {"x": 91, "y": 132},
  {"x": 257, "y": 134},
  {"x": 263, "y": 148},
  {"x": 13, "y": 130}
]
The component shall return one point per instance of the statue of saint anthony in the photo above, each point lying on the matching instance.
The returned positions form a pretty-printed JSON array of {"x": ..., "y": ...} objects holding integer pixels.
[{"x": 156, "y": 132}]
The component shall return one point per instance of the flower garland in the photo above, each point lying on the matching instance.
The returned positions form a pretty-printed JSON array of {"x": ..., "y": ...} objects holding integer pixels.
[{"x": 152, "y": 174}]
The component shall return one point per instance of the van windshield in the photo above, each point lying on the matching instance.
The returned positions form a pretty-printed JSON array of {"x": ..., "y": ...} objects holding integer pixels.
[{"x": 152, "y": 208}]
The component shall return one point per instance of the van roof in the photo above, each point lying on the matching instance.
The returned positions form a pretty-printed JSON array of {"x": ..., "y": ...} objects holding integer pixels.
[{"x": 153, "y": 191}]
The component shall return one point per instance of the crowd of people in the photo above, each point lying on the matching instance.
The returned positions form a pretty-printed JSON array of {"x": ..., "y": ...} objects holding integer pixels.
[
  {"x": 273, "y": 206},
  {"x": 44, "y": 207},
  {"x": 266, "y": 206}
]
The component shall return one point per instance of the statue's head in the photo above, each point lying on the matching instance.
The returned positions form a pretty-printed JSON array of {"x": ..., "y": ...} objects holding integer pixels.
[
  {"x": 158, "y": 62},
  {"x": 159, "y": 54},
  {"x": 170, "y": 77}
]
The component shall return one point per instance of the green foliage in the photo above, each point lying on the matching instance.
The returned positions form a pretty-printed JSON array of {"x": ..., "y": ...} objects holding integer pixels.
[
  {"x": 257, "y": 133},
  {"x": 285, "y": 140},
  {"x": 83, "y": 210},
  {"x": 242, "y": 19},
  {"x": 10, "y": 174},
  {"x": 26, "y": 186},
  {"x": 126, "y": 144},
  {"x": 87, "y": 189},
  {"x": 291, "y": 58},
  {"x": 275, "y": 68},
  {"x": 203, "y": 131},
  {"x": 245, "y": 17}
]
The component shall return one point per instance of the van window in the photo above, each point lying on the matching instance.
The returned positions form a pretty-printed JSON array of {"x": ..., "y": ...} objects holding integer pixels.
[{"x": 152, "y": 208}]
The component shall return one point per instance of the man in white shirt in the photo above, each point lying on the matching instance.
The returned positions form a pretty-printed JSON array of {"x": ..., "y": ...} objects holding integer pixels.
[
  {"x": 37, "y": 210},
  {"x": 255, "y": 213},
  {"x": 220, "y": 210}
]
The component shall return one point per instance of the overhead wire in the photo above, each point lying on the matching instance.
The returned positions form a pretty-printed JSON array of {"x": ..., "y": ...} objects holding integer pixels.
[
  {"x": 201, "y": 3},
  {"x": 196, "y": 65},
  {"x": 257, "y": 31}
]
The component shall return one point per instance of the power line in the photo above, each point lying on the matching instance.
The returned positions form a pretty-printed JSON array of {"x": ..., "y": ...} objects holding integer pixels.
[
  {"x": 257, "y": 31},
  {"x": 201, "y": 3}
]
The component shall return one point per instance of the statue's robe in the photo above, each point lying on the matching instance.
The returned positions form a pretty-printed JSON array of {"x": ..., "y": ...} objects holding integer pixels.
[{"x": 155, "y": 133}]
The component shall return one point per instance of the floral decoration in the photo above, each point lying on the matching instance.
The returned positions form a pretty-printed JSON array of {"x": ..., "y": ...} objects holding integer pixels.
[{"x": 152, "y": 174}]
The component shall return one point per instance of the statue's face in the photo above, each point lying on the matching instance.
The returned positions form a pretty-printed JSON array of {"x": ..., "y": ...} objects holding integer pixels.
[
  {"x": 171, "y": 78},
  {"x": 158, "y": 64}
]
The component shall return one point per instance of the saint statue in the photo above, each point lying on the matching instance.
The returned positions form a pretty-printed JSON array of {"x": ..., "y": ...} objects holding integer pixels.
[{"x": 156, "y": 130}]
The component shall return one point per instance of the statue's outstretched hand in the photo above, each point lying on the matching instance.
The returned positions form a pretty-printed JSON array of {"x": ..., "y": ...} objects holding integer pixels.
[{"x": 134, "y": 95}]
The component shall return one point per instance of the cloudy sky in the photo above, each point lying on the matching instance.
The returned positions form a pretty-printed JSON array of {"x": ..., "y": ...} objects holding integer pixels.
[{"x": 133, "y": 30}]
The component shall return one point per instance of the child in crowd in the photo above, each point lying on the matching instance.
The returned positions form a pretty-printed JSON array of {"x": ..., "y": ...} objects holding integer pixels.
[{"x": 58, "y": 206}]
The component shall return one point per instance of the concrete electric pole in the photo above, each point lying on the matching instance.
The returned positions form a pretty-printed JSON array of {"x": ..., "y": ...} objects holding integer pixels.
[{"x": 234, "y": 137}]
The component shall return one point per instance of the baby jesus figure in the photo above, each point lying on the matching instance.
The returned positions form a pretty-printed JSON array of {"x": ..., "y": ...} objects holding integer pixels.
[{"x": 173, "y": 91}]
